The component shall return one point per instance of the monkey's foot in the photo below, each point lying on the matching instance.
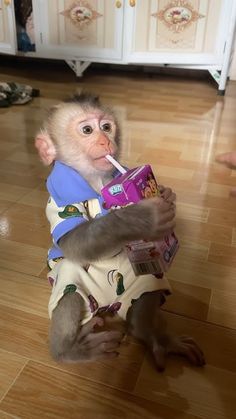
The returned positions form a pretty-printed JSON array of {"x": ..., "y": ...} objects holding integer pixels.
[
  {"x": 93, "y": 345},
  {"x": 183, "y": 346}
]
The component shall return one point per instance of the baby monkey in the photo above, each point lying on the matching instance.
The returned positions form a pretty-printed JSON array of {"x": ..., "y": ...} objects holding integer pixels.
[{"x": 90, "y": 272}]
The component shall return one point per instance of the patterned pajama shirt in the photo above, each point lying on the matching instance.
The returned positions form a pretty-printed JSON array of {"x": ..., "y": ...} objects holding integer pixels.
[{"x": 107, "y": 285}]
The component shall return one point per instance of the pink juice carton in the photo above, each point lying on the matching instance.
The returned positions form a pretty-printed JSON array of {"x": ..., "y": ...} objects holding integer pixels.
[{"x": 146, "y": 257}]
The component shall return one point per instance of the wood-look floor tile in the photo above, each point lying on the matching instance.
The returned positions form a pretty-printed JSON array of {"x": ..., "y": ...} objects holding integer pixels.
[
  {"x": 197, "y": 153},
  {"x": 44, "y": 272},
  {"x": 203, "y": 273},
  {"x": 67, "y": 396},
  {"x": 188, "y": 300},
  {"x": 192, "y": 212},
  {"x": 121, "y": 373},
  {"x": 24, "y": 157},
  {"x": 25, "y": 333},
  {"x": 234, "y": 237},
  {"x": 25, "y": 224},
  {"x": 192, "y": 250},
  {"x": 5, "y": 154},
  {"x": 158, "y": 156},
  {"x": 218, "y": 174},
  {"x": 4, "y": 415},
  {"x": 14, "y": 136},
  {"x": 211, "y": 393},
  {"x": 215, "y": 189},
  {"x": 22, "y": 257},
  {"x": 19, "y": 174},
  {"x": 20, "y": 180},
  {"x": 5, "y": 145},
  {"x": 193, "y": 197},
  {"x": 171, "y": 143},
  {"x": 177, "y": 184},
  {"x": 194, "y": 230},
  {"x": 12, "y": 192},
  {"x": 217, "y": 343},
  {"x": 4, "y": 205},
  {"x": 10, "y": 366},
  {"x": 36, "y": 198},
  {"x": 6, "y": 149},
  {"x": 222, "y": 217},
  {"x": 174, "y": 162},
  {"x": 178, "y": 173},
  {"x": 222, "y": 254},
  {"x": 24, "y": 292},
  {"x": 127, "y": 161},
  {"x": 222, "y": 309}
]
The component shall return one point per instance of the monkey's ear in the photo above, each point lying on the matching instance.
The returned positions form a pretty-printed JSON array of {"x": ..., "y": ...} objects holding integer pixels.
[{"x": 45, "y": 147}]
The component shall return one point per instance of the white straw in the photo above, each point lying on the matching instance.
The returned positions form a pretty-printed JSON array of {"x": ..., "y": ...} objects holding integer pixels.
[{"x": 116, "y": 164}]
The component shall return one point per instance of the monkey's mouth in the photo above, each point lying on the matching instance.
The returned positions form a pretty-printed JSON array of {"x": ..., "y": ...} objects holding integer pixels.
[{"x": 102, "y": 158}]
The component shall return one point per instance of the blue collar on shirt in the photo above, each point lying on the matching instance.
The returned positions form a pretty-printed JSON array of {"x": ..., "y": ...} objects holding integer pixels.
[{"x": 67, "y": 186}]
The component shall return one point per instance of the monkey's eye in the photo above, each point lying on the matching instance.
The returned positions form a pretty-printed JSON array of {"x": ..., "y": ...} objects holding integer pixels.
[
  {"x": 106, "y": 127},
  {"x": 87, "y": 129}
]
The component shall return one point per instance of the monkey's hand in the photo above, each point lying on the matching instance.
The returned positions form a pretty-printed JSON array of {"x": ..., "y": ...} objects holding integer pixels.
[
  {"x": 92, "y": 345},
  {"x": 167, "y": 194},
  {"x": 150, "y": 219},
  {"x": 70, "y": 342}
]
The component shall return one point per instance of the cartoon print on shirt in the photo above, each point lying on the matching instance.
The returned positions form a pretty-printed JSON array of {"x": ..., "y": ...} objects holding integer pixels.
[
  {"x": 93, "y": 304},
  {"x": 51, "y": 280},
  {"x": 70, "y": 288},
  {"x": 111, "y": 309},
  {"x": 115, "y": 276},
  {"x": 70, "y": 211},
  {"x": 57, "y": 259}
]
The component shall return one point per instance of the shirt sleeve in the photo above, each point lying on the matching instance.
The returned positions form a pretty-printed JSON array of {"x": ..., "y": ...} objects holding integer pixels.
[{"x": 64, "y": 219}]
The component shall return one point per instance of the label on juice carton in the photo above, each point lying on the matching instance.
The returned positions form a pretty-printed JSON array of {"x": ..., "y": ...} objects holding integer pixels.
[
  {"x": 143, "y": 259},
  {"x": 130, "y": 188},
  {"x": 152, "y": 257},
  {"x": 146, "y": 257}
]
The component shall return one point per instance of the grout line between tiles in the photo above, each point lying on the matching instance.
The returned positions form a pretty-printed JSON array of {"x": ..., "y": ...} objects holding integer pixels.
[{"x": 12, "y": 384}]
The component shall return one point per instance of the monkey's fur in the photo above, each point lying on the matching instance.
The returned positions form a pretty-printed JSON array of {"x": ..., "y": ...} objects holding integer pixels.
[{"x": 79, "y": 133}]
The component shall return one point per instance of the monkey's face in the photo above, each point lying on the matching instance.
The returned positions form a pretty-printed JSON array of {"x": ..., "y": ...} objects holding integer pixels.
[
  {"x": 89, "y": 137},
  {"x": 96, "y": 133}
]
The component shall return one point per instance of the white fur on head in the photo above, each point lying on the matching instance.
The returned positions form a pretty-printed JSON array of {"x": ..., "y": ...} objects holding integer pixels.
[{"x": 56, "y": 141}]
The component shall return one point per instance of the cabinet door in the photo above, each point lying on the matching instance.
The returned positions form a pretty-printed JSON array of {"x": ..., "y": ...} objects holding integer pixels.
[
  {"x": 83, "y": 29},
  {"x": 7, "y": 27},
  {"x": 177, "y": 31}
]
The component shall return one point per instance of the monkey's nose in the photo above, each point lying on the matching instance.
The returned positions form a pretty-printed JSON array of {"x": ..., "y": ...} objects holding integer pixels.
[{"x": 103, "y": 140}]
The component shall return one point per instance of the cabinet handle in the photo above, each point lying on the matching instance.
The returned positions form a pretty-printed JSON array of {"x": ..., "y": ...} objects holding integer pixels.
[
  {"x": 132, "y": 3},
  {"x": 7, "y": 2},
  {"x": 118, "y": 4}
]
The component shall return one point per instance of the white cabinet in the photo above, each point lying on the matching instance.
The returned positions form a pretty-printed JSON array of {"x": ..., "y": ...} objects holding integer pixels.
[
  {"x": 181, "y": 33},
  {"x": 177, "y": 31},
  {"x": 86, "y": 30},
  {"x": 7, "y": 28}
]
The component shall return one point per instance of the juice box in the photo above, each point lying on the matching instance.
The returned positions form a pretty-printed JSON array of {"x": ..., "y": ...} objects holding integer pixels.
[{"x": 146, "y": 257}]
